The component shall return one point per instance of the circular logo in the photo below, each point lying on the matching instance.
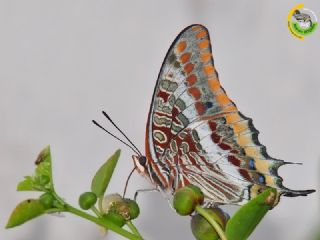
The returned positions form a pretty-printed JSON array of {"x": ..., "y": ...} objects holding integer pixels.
[{"x": 301, "y": 21}]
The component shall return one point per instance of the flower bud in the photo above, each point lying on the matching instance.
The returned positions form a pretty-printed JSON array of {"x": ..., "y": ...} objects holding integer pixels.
[
  {"x": 202, "y": 229},
  {"x": 47, "y": 200},
  {"x": 116, "y": 204},
  {"x": 186, "y": 199},
  {"x": 116, "y": 218},
  {"x": 109, "y": 200},
  {"x": 134, "y": 210},
  {"x": 43, "y": 180},
  {"x": 87, "y": 200}
]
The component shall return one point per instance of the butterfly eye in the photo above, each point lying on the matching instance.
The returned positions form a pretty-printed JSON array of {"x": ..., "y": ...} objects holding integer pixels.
[{"x": 143, "y": 161}]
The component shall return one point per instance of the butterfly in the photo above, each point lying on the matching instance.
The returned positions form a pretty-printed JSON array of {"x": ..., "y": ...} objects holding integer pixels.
[{"x": 196, "y": 135}]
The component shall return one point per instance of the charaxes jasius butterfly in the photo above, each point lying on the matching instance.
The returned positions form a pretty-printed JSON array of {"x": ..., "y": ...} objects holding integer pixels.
[{"x": 195, "y": 133}]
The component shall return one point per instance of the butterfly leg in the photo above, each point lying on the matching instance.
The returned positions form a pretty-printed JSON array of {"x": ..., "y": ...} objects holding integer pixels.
[{"x": 144, "y": 190}]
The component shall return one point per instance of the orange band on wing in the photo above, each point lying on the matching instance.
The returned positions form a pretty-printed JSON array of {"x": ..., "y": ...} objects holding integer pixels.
[
  {"x": 205, "y": 43},
  {"x": 181, "y": 46},
  {"x": 240, "y": 127},
  {"x": 244, "y": 140},
  {"x": 253, "y": 152},
  {"x": 262, "y": 166},
  {"x": 214, "y": 84},
  {"x": 232, "y": 118},
  {"x": 201, "y": 34},
  {"x": 205, "y": 57},
  {"x": 223, "y": 99},
  {"x": 208, "y": 70}
]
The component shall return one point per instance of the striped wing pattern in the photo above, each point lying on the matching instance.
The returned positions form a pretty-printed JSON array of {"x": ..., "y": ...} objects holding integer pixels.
[{"x": 195, "y": 133}]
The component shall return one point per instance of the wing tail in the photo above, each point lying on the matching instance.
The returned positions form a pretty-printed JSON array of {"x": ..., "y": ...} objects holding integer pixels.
[{"x": 296, "y": 193}]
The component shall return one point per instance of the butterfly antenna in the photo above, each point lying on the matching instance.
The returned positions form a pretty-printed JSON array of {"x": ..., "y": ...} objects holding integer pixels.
[
  {"x": 97, "y": 124},
  {"x": 125, "y": 188},
  {"x": 110, "y": 120}
]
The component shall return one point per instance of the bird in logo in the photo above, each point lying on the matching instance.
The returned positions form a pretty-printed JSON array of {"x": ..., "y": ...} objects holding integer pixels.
[{"x": 303, "y": 19}]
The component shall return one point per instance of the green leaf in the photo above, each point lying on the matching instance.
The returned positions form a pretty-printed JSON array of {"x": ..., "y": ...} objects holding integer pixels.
[
  {"x": 26, "y": 184},
  {"x": 245, "y": 220},
  {"x": 102, "y": 178},
  {"x": 41, "y": 180},
  {"x": 24, "y": 212}
]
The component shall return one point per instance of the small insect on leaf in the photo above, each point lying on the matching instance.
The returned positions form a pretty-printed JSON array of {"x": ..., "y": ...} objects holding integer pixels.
[
  {"x": 24, "y": 212},
  {"x": 41, "y": 180},
  {"x": 102, "y": 178},
  {"x": 245, "y": 220}
]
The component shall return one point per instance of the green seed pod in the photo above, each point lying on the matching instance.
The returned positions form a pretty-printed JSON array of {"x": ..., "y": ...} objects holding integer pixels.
[
  {"x": 116, "y": 218},
  {"x": 47, "y": 200},
  {"x": 197, "y": 192},
  {"x": 134, "y": 210},
  {"x": 202, "y": 229},
  {"x": 87, "y": 200},
  {"x": 184, "y": 201}
]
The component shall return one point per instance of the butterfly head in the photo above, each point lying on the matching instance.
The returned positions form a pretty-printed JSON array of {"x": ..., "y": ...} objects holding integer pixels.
[{"x": 140, "y": 162}]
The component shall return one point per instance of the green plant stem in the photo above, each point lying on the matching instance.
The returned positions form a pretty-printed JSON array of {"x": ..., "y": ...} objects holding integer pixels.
[
  {"x": 133, "y": 228},
  {"x": 102, "y": 222},
  {"x": 96, "y": 211},
  {"x": 99, "y": 221},
  {"x": 100, "y": 202},
  {"x": 214, "y": 224},
  {"x": 58, "y": 197}
]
